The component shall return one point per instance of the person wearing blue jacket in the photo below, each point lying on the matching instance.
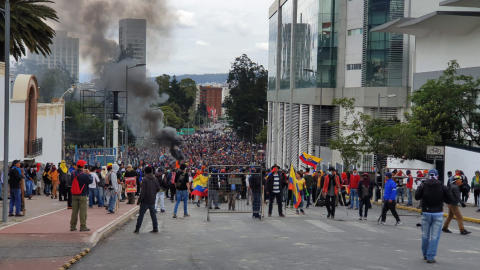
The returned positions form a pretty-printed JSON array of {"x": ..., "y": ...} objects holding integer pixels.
[{"x": 389, "y": 196}]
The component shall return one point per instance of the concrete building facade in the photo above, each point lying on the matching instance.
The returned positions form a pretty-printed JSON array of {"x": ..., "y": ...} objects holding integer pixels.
[
  {"x": 133, "y": 32},
  {"x": 65, "y": 50},
  {"x": 320, "y": 50}
]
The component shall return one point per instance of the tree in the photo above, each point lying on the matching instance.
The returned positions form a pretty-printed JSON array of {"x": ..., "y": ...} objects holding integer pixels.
[
  {"x": 163, "y": 83},
  {"x": 29, "y": 29},
  {"x": 189, "y": 86},
  {"x": 262, "y": 136},
  {"x": 362, "y": 134},
  {"x": 449, "y": 106},
  {"x": 248, "y": 92},
  {"x": 171, "y": 119},
  {"x": 177, "y": 94}
]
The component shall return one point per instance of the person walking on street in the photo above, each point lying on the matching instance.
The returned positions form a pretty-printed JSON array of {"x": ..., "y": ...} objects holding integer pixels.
[
  {"x": 163, "y": 184},
  {"x": 453, "y": 209},
  {"x": 433, "y": 194},
  {"x": 475, "y": 186},
  {"x": 276, "y": 183},
  {"x": 80, "y": 180},
  {"x": 182, "y": 186},
  {"x": 464, "y": 188},
  {"x": 331, "y": 186},
  {"x": 354, "y": 180},
  {"x": 15, "y": 189},
  {"x": 309, "y": 183},
  {"x": 365, "y": 194},
  {"x": 63, "y": 176},
  {"x": 148, "y": 194},
  {"x": 389, "y": 197}
]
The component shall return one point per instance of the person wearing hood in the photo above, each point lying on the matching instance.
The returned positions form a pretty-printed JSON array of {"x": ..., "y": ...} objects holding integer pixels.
[
  {"x": 28, "y": 182},
  {"x": 15, "y": 189},
  {"x": 148, "y": 194},
  {"x": 330, "y": 189},
  {"x": 63, "y": 175},
  {"x": 47, "y": 180},
  {"x": 113, "y": 189},
  {"x": 162, "y": 183},
  {"x": 433, "y": 194},
  {"x": 475, "y": 186},
  {"x": 130, "y": 172},
  {"x": 365, "y": 194}
]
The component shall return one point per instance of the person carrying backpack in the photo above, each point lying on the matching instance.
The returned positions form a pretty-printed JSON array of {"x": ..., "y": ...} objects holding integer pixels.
[
  {"x": 453, "y": 209},
  {"x": 81, "y": 178}
]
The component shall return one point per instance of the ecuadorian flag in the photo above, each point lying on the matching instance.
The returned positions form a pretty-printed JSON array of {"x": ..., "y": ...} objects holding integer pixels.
[
  {"x": 200, "y": 185},
  {"x": 310, "y": 160},
  {"x": 297, "y": 199}
]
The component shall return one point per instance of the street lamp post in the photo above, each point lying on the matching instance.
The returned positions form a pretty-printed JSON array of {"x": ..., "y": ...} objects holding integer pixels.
[
  {"x": 321, "y": 96},
  {"x": 6, "y": 121},
  {"x": 126, "y": 105},
  {"x": 380, "y": 97}
]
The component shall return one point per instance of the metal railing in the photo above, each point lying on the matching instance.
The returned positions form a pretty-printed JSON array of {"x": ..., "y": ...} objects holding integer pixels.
[{"x": 34, "y": 147}]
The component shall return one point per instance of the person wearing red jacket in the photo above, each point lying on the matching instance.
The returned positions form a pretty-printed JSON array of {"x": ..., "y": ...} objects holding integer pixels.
[
  {"x": 330, "y": 191},
  {"x": 409, "y": 187},
  {"x": 354, "y": 180}
]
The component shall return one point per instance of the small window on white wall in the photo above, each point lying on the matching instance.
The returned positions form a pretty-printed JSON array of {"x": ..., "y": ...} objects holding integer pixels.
[
  {"x": 357, "y": 31},
  {"x": 354, "y": 66}
]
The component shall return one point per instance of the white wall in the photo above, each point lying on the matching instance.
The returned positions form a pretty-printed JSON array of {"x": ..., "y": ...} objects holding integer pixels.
[
  {"x": 49, "y": 127},
  {"x": 413, "y": 165},
  {"x": 16, "y": 127},
  {"x": 464, "y": 160},
  {"x": 354, "y": 46}
]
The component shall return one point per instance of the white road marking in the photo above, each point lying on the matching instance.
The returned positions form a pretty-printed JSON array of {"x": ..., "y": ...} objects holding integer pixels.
[
  {"x": 323, "y": 226},
  {"x": 365, "y": 226}
]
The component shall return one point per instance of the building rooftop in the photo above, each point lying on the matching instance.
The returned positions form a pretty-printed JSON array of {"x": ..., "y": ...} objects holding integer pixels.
[{"x": 461, "y": 3}]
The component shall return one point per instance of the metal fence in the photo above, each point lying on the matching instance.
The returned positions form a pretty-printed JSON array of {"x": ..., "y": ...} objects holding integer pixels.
[
  {"x": 34, "y": 147},
  {"x": 228, "y": 191}
]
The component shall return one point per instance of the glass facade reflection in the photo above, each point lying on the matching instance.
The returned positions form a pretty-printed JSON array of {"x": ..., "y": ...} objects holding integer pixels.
[
  {"x": 272, "y": 52},
  {"x": 384, "y": 54},
  {"x": 286, "y": 45}
]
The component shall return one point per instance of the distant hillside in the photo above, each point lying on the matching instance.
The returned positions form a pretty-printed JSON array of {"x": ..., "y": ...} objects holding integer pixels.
[{"x": 204, "y": 78}]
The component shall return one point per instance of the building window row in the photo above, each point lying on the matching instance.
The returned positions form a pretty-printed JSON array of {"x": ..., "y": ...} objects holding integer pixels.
[
  {"x": 353, "y": 32},
  {"x": 354, "y": 66}
]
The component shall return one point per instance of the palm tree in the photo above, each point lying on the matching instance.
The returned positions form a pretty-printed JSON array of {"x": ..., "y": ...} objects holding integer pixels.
[{"x": 28, "y": 28}]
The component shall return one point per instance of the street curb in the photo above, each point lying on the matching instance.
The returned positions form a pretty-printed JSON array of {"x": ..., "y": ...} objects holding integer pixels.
[
  {"x": 469, "y": 219},
  {"x": 108, "y": 229}
]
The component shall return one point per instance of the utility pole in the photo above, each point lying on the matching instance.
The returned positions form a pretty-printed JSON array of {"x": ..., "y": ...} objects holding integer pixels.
[{"x": 6, "y": 121}]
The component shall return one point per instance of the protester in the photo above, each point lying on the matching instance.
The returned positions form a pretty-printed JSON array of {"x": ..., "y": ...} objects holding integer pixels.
[
  {"x": 63, "y": 176},
  {"x": 453, "y": 210},
  {"x": 276, "y": 183},
  {"x": 54, "y": 176},
  {"x": 130, "y": 172},
  {"x": 80, "y": 179},
  {"x": 47, "y": 180},
  {"x": 301, "y": 189},
  {"x": 162, "y": 183},
  {"x": 15, "y": 189},
  {"x": 114, "y": 189},
  {"x": 148, "y": 194},
  {"x": 93, "y": 188},
  {"x": 255, "y": 182},
  {"x": 354, "y": 179},
  {"x": 433, "y": 194},
  {"x": 182, "y": 186},
  {"x": 389, "y": 197},
  {"x": 365, "y": 194},
  {"x": 28, "y": 182},
  {"x": 331, "y": 186},
  {"x": 475, "y": 186},
  {"x": 400, "y": 189},
  {"x": 409, "y": 188},
  {"x": 309, "y": 184}
]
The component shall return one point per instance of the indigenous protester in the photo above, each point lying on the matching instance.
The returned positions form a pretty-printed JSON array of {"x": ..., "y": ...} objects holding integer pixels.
[
  {"x": 15, "y": 180},
  {"x": 80, "y": 180},
  {"x": 63, "y": 176},
  {"x": 389, "y": 197},
  {"x": 365, "y": 194},
  {"x": 433, "y": 194},
  {"x": 301, "y": 189},
  {"x": 331, "y": 186},
  {"x": 453, "y": 210},
  {"x": 148, "y": 194}
]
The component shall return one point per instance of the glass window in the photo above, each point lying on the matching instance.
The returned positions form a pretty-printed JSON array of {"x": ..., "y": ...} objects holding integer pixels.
[
  {"x": 286, "y": 45},
  {"x": 354, "y": 66},
  {"x": 353, "y": 32},
  {"x": 272, "y": 52}
]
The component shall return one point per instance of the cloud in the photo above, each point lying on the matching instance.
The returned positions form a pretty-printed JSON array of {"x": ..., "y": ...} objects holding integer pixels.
[
  {"x": 186, "y": 19},
  {"x": 262, "y": 46},
  {"x": 226, "y": 21},
  {"x": 202, "y": 43}
]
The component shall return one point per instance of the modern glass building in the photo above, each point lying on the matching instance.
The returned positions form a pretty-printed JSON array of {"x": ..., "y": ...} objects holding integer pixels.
[{"x": 320, "y": 50}]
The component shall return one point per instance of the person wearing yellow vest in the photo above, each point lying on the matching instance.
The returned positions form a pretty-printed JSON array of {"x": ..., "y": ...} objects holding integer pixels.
[
  {"x": 475, "y": 186},
  {"x": 301, "y": 189}
]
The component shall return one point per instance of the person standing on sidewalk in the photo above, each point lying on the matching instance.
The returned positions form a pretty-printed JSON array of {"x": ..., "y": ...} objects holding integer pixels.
[
  {"x": 182, "y": 186},
  {"x": 93, "y": 188},
  {"x": 63, "y": 175},
  {"x": 309, "y": 183},
  {"x": 453, "y": 209},
  {"x": 475, "y": 186},
  {"x": 389, "y": 197},
  {"x": 71, "y": 170},
  {"x": 354, "y": 180},
  {"x": 275, "y": 182},
  {"x": 79, "y": 201},
  {"x": 331, "y": 186},
  {"x": 28, "y": 182},
  {"x": 15, "y": 189},
  {"x": 433, "y": 194},
  {"x": 148, "y": 194},
  {"x": 113, "y": 189},
  {"x": 55, "y": 181},
  {"x": 409, "y": 188}
]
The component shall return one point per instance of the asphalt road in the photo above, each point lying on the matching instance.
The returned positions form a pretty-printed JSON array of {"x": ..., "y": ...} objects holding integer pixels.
[{"x": 311, "y": 241}]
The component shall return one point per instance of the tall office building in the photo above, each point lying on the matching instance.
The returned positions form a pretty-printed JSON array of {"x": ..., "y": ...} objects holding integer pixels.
[
  {"x": 133, "y": 32},
  {"x": 212, "y": 97},
  {"x": 320, "y": 50},
  {"x": 65, "y": 50}
]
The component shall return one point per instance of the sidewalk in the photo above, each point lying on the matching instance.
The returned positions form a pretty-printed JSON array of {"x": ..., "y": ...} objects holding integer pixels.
[{"x": 43, "y": 240}]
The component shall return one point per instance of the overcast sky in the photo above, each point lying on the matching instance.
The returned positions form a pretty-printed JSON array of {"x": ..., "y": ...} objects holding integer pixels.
[{"x": 205, "y": 37}]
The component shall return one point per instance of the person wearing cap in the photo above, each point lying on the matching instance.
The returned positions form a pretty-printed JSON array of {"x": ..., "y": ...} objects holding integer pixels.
[
  {"x": 365, "y": 194},
  {"x": 130, "y": 172},
  {"x": 148, "y": 194},
  {"x": 15, "y": 189},
  {"x": 409, "y": 187},
  {"x": 389, "y": 197},
  {"x": 331, "y": 186},
  {"x": 453, "y": 210},
  {"x": 79, "y": 202},
  {"x": 433, "y": 194}
]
